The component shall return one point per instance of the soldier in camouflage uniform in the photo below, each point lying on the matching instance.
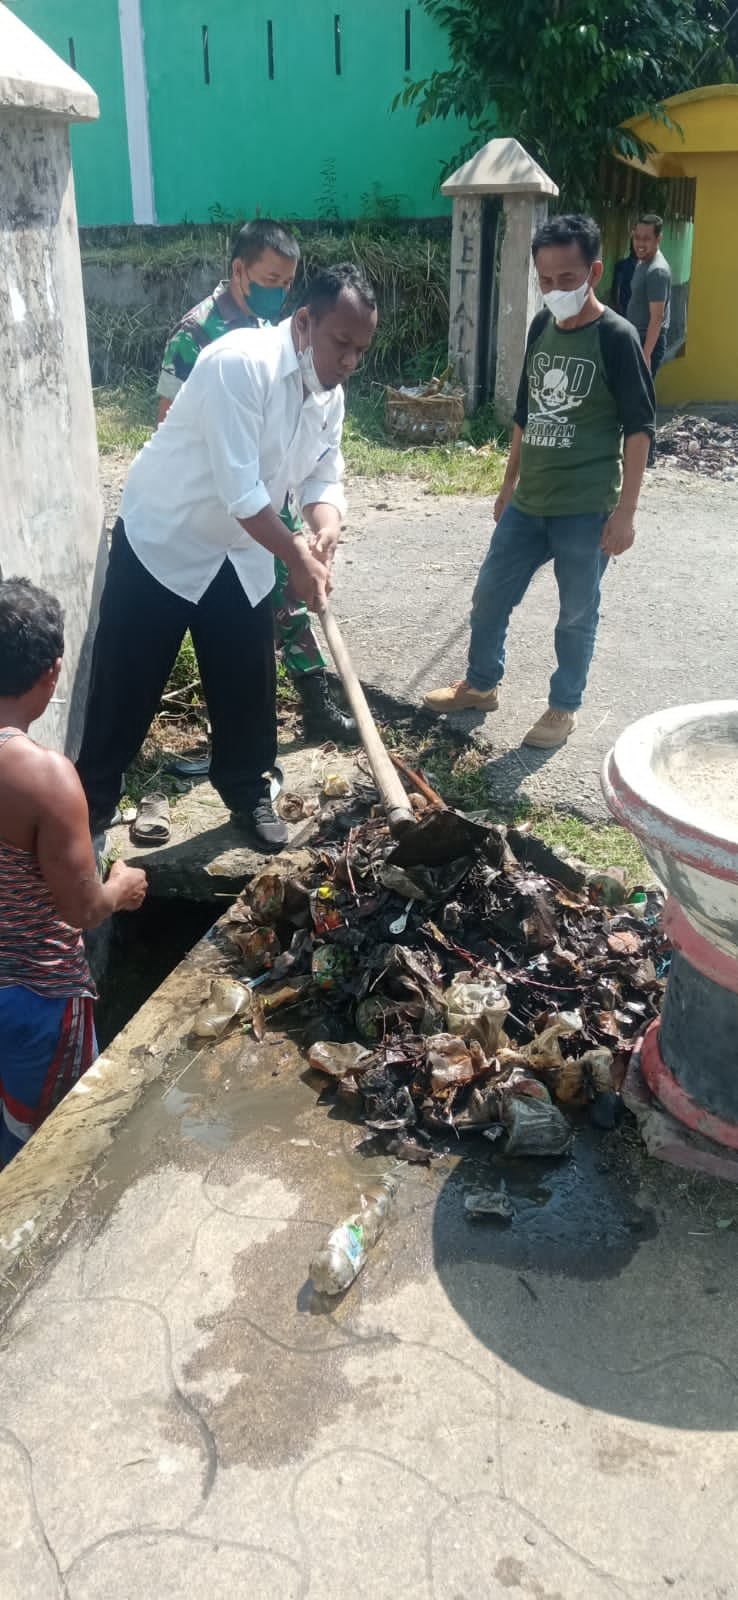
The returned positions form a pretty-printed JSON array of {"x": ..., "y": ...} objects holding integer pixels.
[{"x": 263, "y": 265}]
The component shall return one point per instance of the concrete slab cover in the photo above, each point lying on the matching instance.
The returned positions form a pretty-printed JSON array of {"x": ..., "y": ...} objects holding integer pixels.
[{"x": 34, "y": 78}]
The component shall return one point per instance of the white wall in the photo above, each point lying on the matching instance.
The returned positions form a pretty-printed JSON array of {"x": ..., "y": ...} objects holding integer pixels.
[{"x": 51, "y": 527}]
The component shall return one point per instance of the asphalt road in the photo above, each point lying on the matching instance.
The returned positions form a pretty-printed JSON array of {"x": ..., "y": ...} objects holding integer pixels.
[{"x": 667, "y": 632}]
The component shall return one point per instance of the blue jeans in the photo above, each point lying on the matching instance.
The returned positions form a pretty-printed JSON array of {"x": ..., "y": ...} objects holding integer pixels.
[{"x": 520, "y": 545}]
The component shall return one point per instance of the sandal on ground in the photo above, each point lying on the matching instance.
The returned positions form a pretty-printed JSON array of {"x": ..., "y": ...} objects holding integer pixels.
[{"x": 153, "y": 824}]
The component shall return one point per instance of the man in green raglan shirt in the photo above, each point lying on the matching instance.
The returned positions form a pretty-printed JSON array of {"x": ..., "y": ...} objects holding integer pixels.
[
  {"x": 584, "y": 421},
  {"x": 263, "y": 265}
]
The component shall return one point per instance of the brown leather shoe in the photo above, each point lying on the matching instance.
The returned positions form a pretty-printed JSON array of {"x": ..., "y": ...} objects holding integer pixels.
[
  {"x": 460, "y": 697},
  {"x": 552, "y": 729}
]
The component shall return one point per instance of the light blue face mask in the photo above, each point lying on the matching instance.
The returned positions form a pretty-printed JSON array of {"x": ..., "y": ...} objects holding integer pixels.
[{"x": 266, "y": 304}]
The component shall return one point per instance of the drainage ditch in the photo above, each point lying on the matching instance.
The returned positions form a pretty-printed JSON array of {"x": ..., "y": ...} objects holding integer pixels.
[{"x": 141, "y": 949}]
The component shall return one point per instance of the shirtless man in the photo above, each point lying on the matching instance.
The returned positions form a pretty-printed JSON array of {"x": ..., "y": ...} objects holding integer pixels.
[{"x": 49, "y": 886}]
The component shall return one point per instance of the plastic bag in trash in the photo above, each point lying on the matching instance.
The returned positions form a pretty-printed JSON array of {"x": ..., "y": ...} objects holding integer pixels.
[
  {"x": 257, "y": 947},
  {"x": 449, "y": 1062},
  {"x": 266, "y": 897},
  {"x": 544, "y": 1052},
  {"x": 523, "y": 1083},
  {"x": 335, "y": 786},
  {"x": 400, "y": 882}
]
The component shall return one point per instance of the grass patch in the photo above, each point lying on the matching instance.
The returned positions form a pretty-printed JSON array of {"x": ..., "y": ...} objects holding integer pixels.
[
  {"x": 442, "y": 469},
  {"x": 601, "y": 844},
  {"x": 125, "y": 415}
]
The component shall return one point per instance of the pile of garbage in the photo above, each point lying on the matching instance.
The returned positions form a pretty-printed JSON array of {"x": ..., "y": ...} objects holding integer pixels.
[
  {"x": 698, "y": 445},
  {"x": 479, "y": 995}
]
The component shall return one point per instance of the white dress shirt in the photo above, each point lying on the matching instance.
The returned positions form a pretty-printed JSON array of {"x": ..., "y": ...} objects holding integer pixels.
[{"x": 239, "y": 435}]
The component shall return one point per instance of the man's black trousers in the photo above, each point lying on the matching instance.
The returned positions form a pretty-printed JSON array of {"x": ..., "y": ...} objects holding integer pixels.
[{"x": 142, "y": 625}]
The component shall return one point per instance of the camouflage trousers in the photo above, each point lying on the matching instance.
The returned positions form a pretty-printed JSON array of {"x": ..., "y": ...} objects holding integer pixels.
[{"x": 295, "y": 635}]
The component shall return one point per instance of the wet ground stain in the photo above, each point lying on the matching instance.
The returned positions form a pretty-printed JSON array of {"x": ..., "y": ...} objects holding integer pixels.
[{"x": 578, "y": 1215}]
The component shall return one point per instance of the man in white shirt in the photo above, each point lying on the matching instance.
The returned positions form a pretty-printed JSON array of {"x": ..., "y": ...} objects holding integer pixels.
[{"x": 260, "y": 416}]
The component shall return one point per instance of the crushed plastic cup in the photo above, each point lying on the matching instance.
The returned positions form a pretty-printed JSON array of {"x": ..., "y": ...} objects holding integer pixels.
[
  {"x": 338, "y": 1060},
  {"x": 535, "y": 1129},
  {"x": 227, "y": 999}
]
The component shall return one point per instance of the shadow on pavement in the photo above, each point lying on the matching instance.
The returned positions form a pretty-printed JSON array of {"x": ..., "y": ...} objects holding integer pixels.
[
  {"x": 508, "y": 773},
  {"x": 586, "y": 1293}
]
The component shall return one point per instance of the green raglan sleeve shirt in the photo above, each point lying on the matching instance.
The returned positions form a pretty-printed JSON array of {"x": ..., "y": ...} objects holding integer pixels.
[{"x": 582, "y": 392}]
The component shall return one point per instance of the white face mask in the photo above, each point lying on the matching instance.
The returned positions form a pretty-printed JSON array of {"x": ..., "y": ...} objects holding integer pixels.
[
  {"x": 310, "y": 379},
  {"x": 566, "y": 303}
]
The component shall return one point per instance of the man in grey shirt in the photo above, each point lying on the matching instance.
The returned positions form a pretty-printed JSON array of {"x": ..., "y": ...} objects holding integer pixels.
[
  {"x": 650, "y": 295},
  {"x": 649, "y": 305}
]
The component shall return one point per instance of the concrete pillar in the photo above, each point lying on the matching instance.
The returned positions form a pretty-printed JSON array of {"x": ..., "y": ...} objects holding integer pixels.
[
  {"x": 519, "y": 296},
  {"x": 477, "y": 292},
  {"x": 51, "y": 525},
  {"x": 465, "y": 297}
]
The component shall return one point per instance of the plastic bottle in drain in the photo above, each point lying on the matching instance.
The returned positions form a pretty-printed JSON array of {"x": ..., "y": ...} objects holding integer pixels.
[{"x": 342, "y": 1257}]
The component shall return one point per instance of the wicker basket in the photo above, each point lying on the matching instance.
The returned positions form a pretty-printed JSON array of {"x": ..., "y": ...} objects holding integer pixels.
[{"x": 423, "y": 419}]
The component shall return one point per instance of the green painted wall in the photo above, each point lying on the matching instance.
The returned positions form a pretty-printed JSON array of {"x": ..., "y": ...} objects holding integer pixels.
[
  {"x": 307, "y": 143},
  {"x": 100, "y": 149}
]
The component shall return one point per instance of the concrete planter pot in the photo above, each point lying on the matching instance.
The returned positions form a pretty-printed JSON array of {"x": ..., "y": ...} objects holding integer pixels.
[{"x": 672, "y": 780}]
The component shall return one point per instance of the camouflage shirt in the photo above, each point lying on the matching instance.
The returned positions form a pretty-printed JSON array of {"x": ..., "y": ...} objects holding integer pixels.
[{"x": 215, "y": 315}]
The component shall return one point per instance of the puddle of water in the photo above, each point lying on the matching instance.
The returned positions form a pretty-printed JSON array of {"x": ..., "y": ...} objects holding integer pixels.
[
  {"x": 196, "y": 1121},
  {"x": 577, "y": 1215}
]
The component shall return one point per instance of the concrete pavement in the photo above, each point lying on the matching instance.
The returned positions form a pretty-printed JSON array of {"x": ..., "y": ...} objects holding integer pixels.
[
  {"x": 546, "y": 1409},
  {"x": 667, "y": 634}
]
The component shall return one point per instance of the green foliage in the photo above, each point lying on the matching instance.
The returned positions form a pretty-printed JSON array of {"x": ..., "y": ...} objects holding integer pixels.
[
  {"x": 563, "y": 75},
  {"x": 185, "y": 671},
  {"x": 328, "y": 207},
  {"x": 125, "y": 416},
  {"x": 378, "y": 207},
  {"x": 123, "y": 342},
  {"x": 409, "y": 270},
  {"x": 410, "y": 274}
]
